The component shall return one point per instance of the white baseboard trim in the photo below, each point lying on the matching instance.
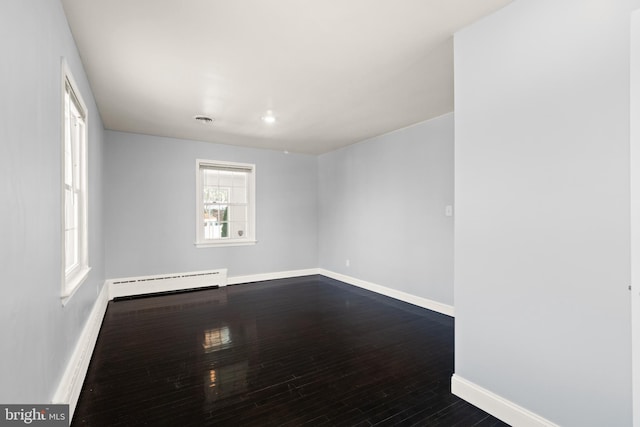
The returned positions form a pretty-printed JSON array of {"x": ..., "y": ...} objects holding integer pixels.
[
  {"x": 70, "y": 385},
  {"x": 235, "y": 280},
  {"x": 495, "y": 405},
  {"x": 393, "y": 293}
]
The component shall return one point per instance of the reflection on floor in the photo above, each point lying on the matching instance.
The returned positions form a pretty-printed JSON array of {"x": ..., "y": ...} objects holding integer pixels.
[{"x": 289, "y": 352}]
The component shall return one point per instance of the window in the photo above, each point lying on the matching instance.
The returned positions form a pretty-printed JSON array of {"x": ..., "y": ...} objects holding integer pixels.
[
  {"x": 225, "y": 203},
  {"x": 74, "y": 187}
]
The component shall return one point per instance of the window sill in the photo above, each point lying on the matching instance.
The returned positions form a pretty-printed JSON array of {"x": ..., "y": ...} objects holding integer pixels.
[
  {"x": 72, "y": 284},
  {"x": 226, "y": 243}
]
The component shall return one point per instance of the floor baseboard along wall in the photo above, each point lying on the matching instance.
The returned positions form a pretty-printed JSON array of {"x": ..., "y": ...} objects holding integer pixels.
[
  {"x": 495, "y": 405},
  {"x": 68, "y": 390},
  {"x": 236, "y": 280},
  {"x": 393, "y": 293}
]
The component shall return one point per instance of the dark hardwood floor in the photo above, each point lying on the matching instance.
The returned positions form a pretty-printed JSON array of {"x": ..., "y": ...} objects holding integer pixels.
[{"x": 307, "y": 351}]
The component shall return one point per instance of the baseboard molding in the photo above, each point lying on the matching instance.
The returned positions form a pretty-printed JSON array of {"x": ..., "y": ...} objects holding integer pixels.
[
  {"x": 235, "y": 280},
  {"x": 393, "y": 293},
  {"x": 495, "y": 405},
  {"x": 70, "y": 385}
]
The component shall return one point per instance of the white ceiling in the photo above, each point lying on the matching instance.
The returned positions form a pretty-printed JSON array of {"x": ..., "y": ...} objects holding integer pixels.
[{"x": 333, "y": 72}]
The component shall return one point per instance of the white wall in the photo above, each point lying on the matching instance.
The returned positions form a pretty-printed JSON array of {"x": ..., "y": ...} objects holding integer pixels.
[
  {"x": 542, "y": 202},
  {"x": 150, "y": 208},
  {"x": 37, "y": 334},
  {"x": 382, "y": 207},
  {"x": 635, "y": 208}
]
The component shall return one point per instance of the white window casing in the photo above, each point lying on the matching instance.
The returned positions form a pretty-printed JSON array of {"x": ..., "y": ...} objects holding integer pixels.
[
  {"x": 74, "y": 223},
  {"x": 225, "y": 203}
]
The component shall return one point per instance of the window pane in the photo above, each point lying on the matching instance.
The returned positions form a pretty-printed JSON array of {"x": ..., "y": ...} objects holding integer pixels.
[
  {"x": 67, "y": 142},
  {"x": 210, "y": 177},
  {"x": 238, "y": 229},
  {"x": 74, "y": 188},
  {"x": 211, "y": 230},
  {"x": 68, "y": 209},
  {"x": 225, "y": 196},
  {"x": 223, "y": 214},
  {"x": 240, "y": 179},
  {"x": 75, "y": 151},
  {"x": 226, "y": 178},
  {"x": 71, "y": 249},
  {"x": 218, "y": 191},
  {"x": 238, "y": 213},
  {"x": 214, "y": 194},
  {"x": 76, "y": 210},
  {"x": 68, "y": 171},
  {"x": 238, "y": 195}
]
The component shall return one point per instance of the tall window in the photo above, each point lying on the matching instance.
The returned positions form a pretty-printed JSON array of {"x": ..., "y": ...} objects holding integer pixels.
[
  {"x": 74, "y": 187},
  {"x": 226, "y": 203}
]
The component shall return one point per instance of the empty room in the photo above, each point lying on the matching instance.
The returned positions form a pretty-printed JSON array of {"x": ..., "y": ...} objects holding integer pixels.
[{"x": 356, "y": 213}]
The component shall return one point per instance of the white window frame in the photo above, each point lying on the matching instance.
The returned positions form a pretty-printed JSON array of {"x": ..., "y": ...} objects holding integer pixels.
[
  {"x": 76, "y": 274},
  {"x": 249, "y": 237}
]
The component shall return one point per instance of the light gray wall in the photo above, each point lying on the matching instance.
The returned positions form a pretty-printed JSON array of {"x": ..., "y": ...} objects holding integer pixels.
[
  {"x": 382, "y": 205},
  {"x": 542, "y": 208},
  {"x": 150, "y": 208},
  {"x": 37, "y": 334},
  {"x": 635, "y": 209}
]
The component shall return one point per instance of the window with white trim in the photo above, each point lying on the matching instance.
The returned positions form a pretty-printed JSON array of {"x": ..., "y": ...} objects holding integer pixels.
[
  {"x": 225, "y": 196},
  {"x": 74, "y": 187}
]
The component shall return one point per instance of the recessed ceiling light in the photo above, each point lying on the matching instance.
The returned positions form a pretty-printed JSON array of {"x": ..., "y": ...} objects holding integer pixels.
[
  {"x": 204, "y": 119},
  {"x": 269, "y": 118}
]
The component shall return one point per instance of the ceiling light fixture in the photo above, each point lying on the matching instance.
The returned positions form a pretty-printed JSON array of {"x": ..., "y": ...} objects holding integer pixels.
[
  {"x": 204, "y": 119},
  {"x": 269, "y": 118}
]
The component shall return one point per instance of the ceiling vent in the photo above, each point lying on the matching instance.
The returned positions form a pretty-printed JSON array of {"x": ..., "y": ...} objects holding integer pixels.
[{"x": 204, "y": 119}]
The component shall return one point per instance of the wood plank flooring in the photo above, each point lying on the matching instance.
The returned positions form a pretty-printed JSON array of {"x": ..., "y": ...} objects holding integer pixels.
[{"x": 306, "y": 351}]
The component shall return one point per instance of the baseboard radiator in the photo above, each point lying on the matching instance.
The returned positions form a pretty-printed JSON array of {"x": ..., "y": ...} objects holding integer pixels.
[{"x": 132, "y": 286}]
